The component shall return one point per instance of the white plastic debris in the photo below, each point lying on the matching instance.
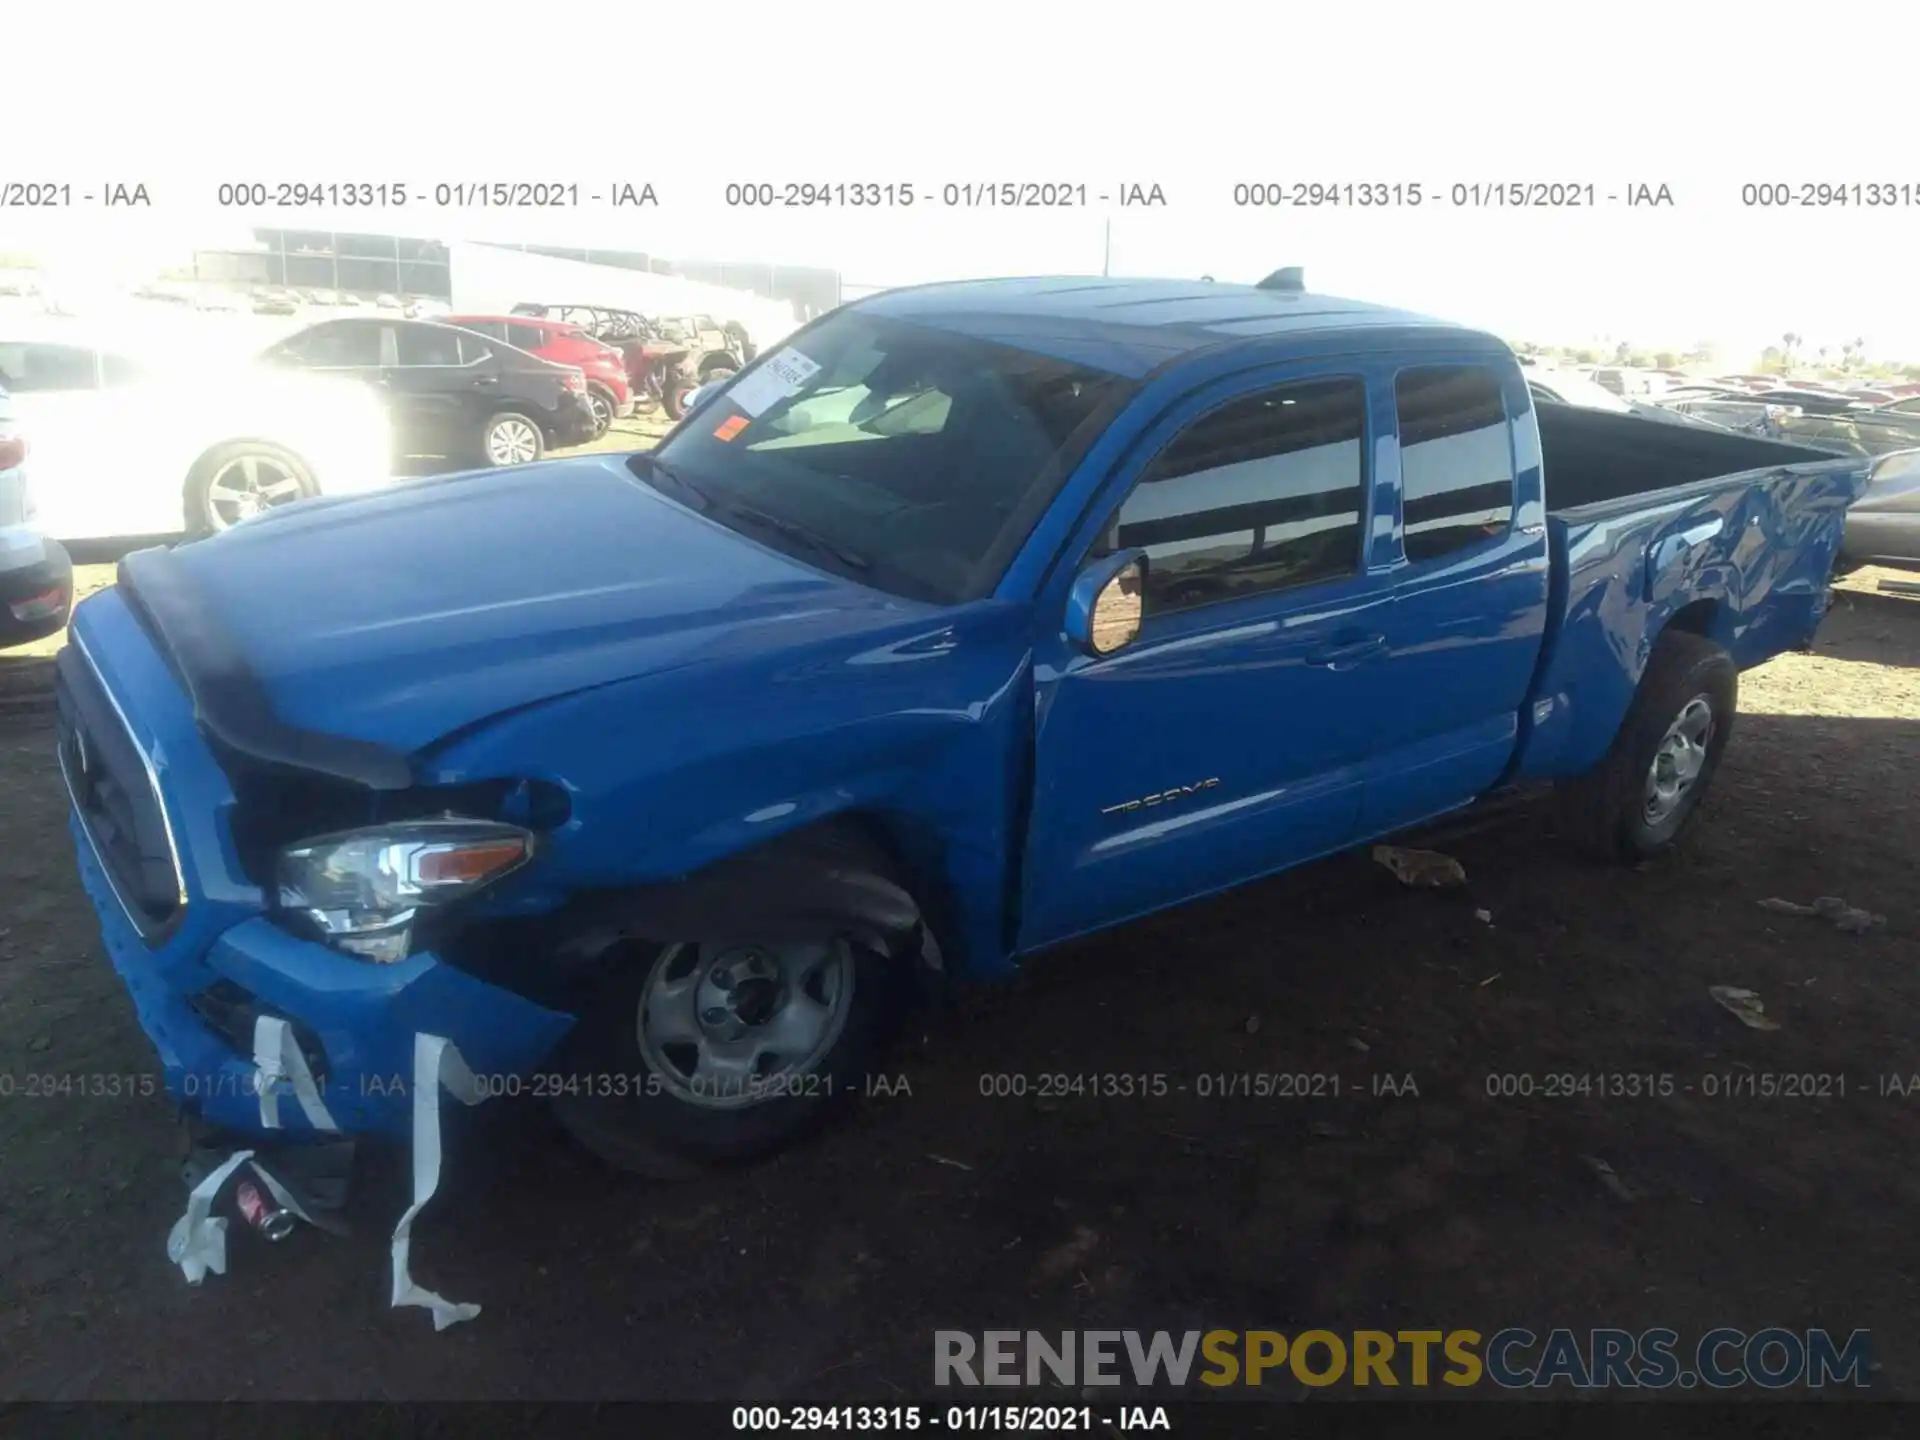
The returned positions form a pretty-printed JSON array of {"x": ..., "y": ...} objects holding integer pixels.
[
  {"x": 198, "y": 1241},
  {"x": 436, "y": 1064}
]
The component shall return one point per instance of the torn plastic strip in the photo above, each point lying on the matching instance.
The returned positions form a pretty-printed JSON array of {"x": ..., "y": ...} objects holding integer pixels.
[
  {"x": 437, "y": 1064},
  {"x": 277, "y": 1058},
  {"x": 198, "y": 1241}
]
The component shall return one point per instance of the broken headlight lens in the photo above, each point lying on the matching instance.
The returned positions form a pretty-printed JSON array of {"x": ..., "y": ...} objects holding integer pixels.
[{"x": 362, "y": 890}]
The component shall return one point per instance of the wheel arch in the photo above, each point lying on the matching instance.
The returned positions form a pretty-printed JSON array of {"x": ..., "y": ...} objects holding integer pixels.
[{"x": 781, "y": 887}]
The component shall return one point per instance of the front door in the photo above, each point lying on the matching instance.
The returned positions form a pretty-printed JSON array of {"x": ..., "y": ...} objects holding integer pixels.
[{"x": 1230, "y": 738}]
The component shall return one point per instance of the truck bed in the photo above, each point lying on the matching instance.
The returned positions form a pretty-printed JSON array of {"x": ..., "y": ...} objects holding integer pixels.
[
  {"x": 1594, "y": 456},
  {"x": 1654, "y": 525}
]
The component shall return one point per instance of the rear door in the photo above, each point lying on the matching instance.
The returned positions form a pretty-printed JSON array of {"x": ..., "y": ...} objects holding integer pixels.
[
  {"x": 1468, "y": 549},
  {"x": 443, "y": 390}
]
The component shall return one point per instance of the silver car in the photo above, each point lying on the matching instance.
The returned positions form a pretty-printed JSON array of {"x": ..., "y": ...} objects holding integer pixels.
[{"x": 1883, "y": 527}]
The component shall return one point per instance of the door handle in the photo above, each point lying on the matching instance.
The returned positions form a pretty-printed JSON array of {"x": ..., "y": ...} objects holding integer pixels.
[{"x": 1348, "y": 653}]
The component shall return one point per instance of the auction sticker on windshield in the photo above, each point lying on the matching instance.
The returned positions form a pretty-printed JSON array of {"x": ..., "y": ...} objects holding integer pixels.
[{"x": 782, "y": 375}]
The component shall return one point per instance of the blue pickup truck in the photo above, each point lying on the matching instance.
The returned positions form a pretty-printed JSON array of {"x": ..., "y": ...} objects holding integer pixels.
[{"x": 978, "y": 617}]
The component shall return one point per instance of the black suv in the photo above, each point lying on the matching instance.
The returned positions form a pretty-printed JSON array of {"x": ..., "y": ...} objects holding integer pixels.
[{"x": 450, "y": 392}]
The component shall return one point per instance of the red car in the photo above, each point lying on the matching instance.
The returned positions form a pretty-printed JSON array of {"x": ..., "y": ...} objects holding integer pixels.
[{"x": 608, "y": 391}]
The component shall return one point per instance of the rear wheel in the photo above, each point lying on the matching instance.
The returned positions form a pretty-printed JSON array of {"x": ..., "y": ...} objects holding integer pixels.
[
  {"x": 602, "y": 404},
  {"x": 511, "y": 438},
  {"x": 1635, "y": 803},
  {"x": 233, "y": 482}
]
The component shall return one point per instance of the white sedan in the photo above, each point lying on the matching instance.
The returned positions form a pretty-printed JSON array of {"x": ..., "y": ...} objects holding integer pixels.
[{"x": 119, "y": 446}]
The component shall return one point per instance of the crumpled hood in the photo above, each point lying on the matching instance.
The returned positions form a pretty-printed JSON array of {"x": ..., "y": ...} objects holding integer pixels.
[{"x": 399, "y": 618}]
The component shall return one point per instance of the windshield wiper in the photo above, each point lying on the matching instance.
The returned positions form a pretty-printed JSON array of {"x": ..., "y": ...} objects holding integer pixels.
[
  {"x": 793, "y": 530},
  {"x": 702, "y": 500}
]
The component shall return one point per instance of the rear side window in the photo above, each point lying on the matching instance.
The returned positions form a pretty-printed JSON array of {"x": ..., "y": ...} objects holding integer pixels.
[
  {"x": 492, "y": 329},
  {"x": 526, "y": 337},
  {"x": 428, "y": 345},
  {"x": 1262, "y": 494},
  {"x": 1456, "y": 458}
]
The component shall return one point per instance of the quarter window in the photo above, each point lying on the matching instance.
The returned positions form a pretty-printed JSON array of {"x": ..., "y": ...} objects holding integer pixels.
[
  {"x": 1265, "y": 493},
  {"x": 526, "y": 337},
  {"x": 1456, "y": 458}
]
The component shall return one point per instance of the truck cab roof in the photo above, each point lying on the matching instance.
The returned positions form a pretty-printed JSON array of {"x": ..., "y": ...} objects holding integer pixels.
[{"x": 1133, "y": 327}]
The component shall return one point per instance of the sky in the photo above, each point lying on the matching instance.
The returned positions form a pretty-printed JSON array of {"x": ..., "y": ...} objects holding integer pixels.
[{"x": 1705, "y": 99}]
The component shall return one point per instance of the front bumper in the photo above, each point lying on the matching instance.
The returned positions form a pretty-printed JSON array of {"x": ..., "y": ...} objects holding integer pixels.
[{"x": 220, "y": 962}]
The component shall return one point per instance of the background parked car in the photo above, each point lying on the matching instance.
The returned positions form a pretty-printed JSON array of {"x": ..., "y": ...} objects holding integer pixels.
[
  {"x": 1566, "y": 387},
  {"x": 448, "y": 391},
  {"x": 609, "y": 392},
  {"x": 153, "y": 444},
  {"x": 1883, "y": 525},
  {"x": 36, "y": 577},
  {"x": 666, "y": 359}
]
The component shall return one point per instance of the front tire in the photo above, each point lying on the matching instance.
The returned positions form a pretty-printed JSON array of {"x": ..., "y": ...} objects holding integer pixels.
[
  {"x": 510, "y": 438},
  {"x": 1634, "y": 804},
  {"x": 705, "y": 1052},
  {"x": 240, "y": 479}
]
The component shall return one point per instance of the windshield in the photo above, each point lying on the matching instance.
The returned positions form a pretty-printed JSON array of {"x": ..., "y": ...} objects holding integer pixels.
[{"x": 912, "y": 459}]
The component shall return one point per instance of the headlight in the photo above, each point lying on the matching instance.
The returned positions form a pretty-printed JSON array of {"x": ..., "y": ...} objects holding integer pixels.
[{"x": 362, "y": 890}]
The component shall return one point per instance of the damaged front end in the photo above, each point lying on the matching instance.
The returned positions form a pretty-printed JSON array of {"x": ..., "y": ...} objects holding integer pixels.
[{"x": 232, "y": 890}]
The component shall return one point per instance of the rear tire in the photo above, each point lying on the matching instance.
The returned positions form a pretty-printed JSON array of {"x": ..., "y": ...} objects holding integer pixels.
[
  {"x": 510, "y": 438},
  {"x": 1635, "y": 803},
  {"x": 242, "y": 478}
]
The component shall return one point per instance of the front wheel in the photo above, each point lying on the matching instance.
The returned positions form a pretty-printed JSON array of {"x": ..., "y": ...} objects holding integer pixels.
[
  {"x": 233, "y": 482},
  {"x": 1635, "y": 803},
  {"x": 698, "y": 1053},
  {"x": 511, "y": 438},
  {"x": 600, "y": 404}
]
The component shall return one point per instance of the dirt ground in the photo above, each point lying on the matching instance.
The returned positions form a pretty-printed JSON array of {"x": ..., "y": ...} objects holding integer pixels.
[{"x": 821, "y": 1275}]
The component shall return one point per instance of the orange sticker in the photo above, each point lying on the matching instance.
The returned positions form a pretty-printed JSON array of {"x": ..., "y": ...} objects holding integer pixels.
[{"x": 730, "y": 427}]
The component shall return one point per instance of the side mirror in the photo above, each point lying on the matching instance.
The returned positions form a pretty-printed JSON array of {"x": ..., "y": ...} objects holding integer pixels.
[
  {"x": 697, "y": 396},
  {"x": 1106, "y": 603}
]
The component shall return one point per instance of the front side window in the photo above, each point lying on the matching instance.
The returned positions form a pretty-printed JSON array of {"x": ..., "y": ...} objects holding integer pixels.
[
  {"x": 1456, "y": 458},
  {"x": 1264, "y": 493},
  {"x": 337, "y": 347},
  {"x": 909, "y": 457}
]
